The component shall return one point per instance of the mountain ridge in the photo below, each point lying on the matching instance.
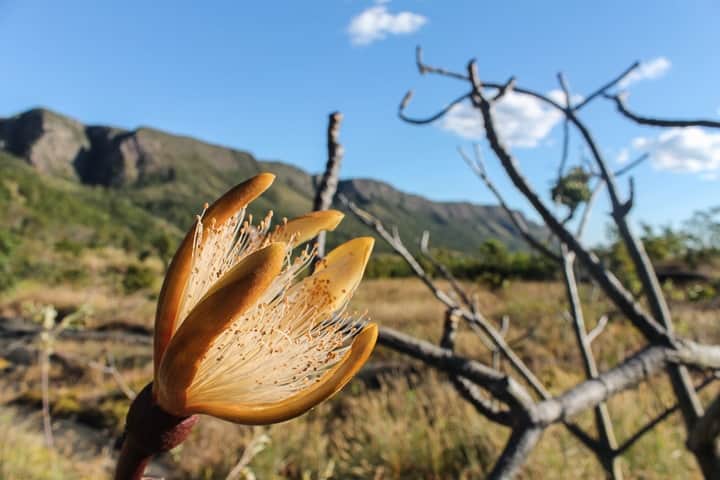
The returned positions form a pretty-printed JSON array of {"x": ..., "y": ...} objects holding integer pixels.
[{"x": 170, "y": 175}]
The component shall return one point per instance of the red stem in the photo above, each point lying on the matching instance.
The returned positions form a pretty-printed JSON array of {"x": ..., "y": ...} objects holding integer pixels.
[
  {"x": 149, "y": 430},
  {"x": 131, "y": 463}
]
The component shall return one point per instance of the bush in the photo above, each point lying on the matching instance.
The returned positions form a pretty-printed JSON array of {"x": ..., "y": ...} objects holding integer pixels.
[
  {"x": 8, "y": 245},
  {"x": 138, "y": 277},
  {"x": 69, "y": 246},
  {"x": 699, "y": 292}
]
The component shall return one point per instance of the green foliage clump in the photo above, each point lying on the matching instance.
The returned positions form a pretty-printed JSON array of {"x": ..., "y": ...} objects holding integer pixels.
[
  {"x": 699, "y": 292},
  {"x": 668, "y": 244},
  {"x": 572, "y": 189},
  {"x": 8, "y": 244},
  {"x": 138, "y": 277},
  {"x": 386, "y": 265}
]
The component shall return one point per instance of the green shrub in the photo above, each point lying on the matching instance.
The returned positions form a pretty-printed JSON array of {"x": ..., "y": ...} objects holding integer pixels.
[
  {"x": 69, "y": 246},
  {"x": 8, "y": 244},
  {"x": 138, "y": 277},
  {"x": 700, "y": 292}
]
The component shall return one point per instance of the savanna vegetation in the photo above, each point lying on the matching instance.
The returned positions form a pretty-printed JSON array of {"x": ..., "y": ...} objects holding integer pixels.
[
  {"x": 397, "y": 420},
  {"x": 80, "y": 273}
]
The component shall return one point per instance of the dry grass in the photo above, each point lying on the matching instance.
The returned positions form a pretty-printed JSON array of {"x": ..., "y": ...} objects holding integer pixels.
[{"x": 416, "y": 428}]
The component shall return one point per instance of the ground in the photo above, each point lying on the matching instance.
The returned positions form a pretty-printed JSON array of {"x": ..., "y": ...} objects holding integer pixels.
[{"x": 406, "y": 424}]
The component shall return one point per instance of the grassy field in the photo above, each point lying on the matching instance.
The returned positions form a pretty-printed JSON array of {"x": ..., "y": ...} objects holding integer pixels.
[{"x": 407, "y": 425}]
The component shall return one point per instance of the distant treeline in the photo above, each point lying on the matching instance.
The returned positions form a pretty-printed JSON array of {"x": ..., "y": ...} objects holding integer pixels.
[
  {"x": 494, "y": 264},
  {"x": 694, "y": 247}
]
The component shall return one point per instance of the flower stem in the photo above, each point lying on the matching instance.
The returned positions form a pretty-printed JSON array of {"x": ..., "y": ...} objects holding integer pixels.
[
  {"x": 149, "y": 430},
  {"x": 131, "y": 463}
]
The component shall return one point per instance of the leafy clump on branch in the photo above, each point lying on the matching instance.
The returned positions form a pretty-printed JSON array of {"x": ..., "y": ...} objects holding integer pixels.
[{"x": 572, "y": 189}]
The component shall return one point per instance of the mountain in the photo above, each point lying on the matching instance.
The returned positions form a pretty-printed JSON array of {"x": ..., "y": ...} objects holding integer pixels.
[{"x": 171, "y": 176}]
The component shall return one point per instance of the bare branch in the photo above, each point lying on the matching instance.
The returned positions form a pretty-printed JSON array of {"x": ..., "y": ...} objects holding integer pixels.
[
  {"x": 588, "y": 209},
  {"x": 631, "y": 165},
  {"x": 478, "y": 167},
  {"x": 624, "y": 209},
  {"x": 470, "y": 392},
  {"x": 424, "y": 68},
  {"x": 703, "y": 440},
  {"x": 504, "y": 325},
  {"x": 328, "y": 184},
  {"x": 475, "y": 320},
  {"x": 632, "y": 371},
  {"x": 501, "y": 386},
  {"x": 521, "y": 442},
  {"x": 432, "y": 118},
  {"x": 450, "y": 326},
  {"x": 445, "y": 272},
  {"x": 602, "y": 416},
  {"x": 607, "y": 86},
  {"x": 682, "y": 385},
  {"x": 566, "y": 126},
  {"x": 397, "y": 245},
  {"x": 109, "y": 368},
  {"x": 257, "y": 444},
  {"x": 697, "y": 355},
  {"x": 598, "y": 329},
  {"x": 649, "y": 426},
  {"x": 507, "y": 87},
  {"x": 609, "y": 283},
  {"x": 658, "y": 122}
]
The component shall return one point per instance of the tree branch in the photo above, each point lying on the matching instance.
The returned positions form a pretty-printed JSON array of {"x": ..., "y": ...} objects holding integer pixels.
[
  {"x": 430, "y": 119},
  {"x": 521, "y": 442},
  {"x": 327, "y": 187},
  {"x": 475, "y": 320},
  {"x": 424, "y": 68},
  {"x": 607, "y": 86},
  {"x": 603, "y": 423},
  {"x": 703, "y": 440},
  {"x": 649, "y": 426},
  {"x": 478, "y": 167},
  {"x": 607, "y": 281},
  {"x": 501, "y": 386},
  {"x": 658, "y": 122}
]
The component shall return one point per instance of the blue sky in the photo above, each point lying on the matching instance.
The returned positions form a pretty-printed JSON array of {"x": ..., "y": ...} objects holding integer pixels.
[{"x": 262, "y": 76}]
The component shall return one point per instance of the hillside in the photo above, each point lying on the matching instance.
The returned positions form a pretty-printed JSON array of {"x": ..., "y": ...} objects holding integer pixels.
[{"x": 171, "y": 176}]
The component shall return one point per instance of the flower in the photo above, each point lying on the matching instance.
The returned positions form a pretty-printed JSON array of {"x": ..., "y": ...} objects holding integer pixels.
[{"x": 237, "y": 335}]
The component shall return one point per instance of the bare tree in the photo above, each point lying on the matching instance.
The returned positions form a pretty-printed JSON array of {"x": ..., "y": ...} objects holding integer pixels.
[
  {"x": 518, "y": 399},
  {"x": 325, "y": 191}
]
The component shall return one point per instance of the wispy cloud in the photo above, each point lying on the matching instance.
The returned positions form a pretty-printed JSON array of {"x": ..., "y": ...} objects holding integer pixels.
[
  {"x": 684, "y": 150},
  {"x": 376, "y": 23},
  {"x": 623, "y": 156},
  {"x": 649, "y": 70},
  {"x": 522, "y": 121}
]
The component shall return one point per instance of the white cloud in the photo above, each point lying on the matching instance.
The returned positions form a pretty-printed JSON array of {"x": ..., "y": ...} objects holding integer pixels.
[
  {"x": 649, "y": 70},
  {"x": 522, "y": 121},
  {"x": 684, "y": 150},
  {"x": 623, "y": 156},
  {"x": 376, "y": 23}
]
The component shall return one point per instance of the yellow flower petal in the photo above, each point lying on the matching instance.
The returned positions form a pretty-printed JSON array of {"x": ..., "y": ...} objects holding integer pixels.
[
  {"x": 329, "y": 384},
  {"x": 241, "y": 288},
  {"x": 341, "y": 270},
  {"x": 179, "y": 271},
  {"x": 302, "y": 229}
]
